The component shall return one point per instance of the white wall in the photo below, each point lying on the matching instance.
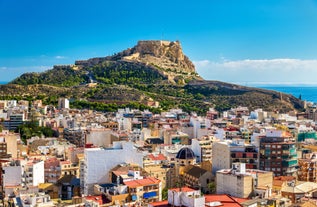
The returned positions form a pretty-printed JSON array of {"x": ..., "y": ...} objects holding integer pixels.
[
  {"x": 220, "y": 156},
  {"x": 196, "y": 148},
  {"x": 99, "y": 162},
  {"x": 38, "y": 173},
  {"x": 12, "y": 175}
]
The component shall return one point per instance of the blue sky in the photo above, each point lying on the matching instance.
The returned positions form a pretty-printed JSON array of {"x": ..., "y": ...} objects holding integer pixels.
[{"x": 246, "y": 41}]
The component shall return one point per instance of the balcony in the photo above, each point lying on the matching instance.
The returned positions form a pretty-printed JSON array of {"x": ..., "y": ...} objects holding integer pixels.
[
  {"x": 150, "y": 189},
  {"x": 150, "y": 195},
  {"x": 289, "y": 163}
]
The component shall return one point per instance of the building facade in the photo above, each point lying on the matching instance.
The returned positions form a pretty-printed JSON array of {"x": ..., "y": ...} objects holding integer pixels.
[
  {"x": 278, "y": 153},
  {"x": 99, "y": 161},
  {"x": 244, "y": 183}
]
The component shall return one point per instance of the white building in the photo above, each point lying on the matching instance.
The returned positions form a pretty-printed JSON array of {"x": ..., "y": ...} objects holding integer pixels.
[
  {"x": 63, "y": 103},
  {"x": 33, "y": 173},
  {"x": 30, "y": 200},
  {"x": 12, "y": 174},
  {"x": 185, "y": 197},
  {"x": 200, "y": 126},
  {"x": 11, "y": 103},
  {"x": 98, "y": 162}
]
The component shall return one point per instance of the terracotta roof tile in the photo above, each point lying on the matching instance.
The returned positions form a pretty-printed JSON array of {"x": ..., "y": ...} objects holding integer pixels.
[
  {"x": 183, "y": 189},
  {"x": 157, "y": 157},
  {"x": 142, "y": 182}
]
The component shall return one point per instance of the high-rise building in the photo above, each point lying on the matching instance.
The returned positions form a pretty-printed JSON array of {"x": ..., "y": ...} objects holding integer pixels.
[{"x": 278, "y": 153}]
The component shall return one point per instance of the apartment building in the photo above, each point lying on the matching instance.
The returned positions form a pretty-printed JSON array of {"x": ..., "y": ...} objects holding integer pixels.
[{"x": 278, "y": 153}]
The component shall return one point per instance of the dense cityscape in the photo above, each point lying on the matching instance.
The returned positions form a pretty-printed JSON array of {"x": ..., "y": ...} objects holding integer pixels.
[
  {"x": 137, "y": 158},
  {"x": 158, "y": 103}
]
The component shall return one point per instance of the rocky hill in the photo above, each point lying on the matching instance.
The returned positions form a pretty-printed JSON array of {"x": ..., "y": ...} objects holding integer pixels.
[
  {"x": 151, "y": 71},
  {"x": 163, "y": 54}
]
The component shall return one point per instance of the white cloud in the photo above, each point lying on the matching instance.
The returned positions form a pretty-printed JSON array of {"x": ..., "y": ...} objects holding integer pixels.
[
  {"x": 263, "y": 70},
  {"x": 201, "y": 63},
  {"x": 60, "y": 57}
]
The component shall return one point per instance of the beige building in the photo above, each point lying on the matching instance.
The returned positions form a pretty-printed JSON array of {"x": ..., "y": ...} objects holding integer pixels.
[
  {"x": 197, "y": 178},
  {"x": 172, "y": 136},
  {"x": 144, "y": 190},
  {"x": 67, "y": 168},
  {"x": 99, "y": 137},
  {"x": 307, "y": 170},
  {"x": 203, "y": 148},
  {"x": 156, "y": 166},
  {"x": 244, "y": 183},
  {"x": 11, "y": 140},
  {"x": 220, "y": 156}
]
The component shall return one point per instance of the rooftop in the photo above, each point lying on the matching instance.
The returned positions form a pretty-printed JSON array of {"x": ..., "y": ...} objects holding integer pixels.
[
  {"x": 223, "y": 200},
  {"x": 185, "y": 153},
  {"x": 142, "y": 182},
  {"x": 157, "y": 157},
  {"x": 183, "y": 189}
]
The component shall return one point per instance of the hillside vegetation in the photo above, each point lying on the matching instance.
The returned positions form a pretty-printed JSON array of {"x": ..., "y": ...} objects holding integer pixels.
[{"x": 149, "y": 72}]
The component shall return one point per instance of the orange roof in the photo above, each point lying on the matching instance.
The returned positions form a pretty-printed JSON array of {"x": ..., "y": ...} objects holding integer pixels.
[
  {"x": 285, "y": 178},
  {"x": 278, "y": 183},
  {"x": 240, "y": 200},
  {"x": 157, "y": 157},
  {"x": 160, "y": 203},
  {"x": 225, "y": 200},
  {"x": 142, "y": 182},
  {"x": 286, "y": 134},
  {"x": 95, "y": 198},
  {"x": 183, "y": 189}
]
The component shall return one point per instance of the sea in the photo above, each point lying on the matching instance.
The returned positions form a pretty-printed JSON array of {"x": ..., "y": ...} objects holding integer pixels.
[{"x": 308, "y": 93}]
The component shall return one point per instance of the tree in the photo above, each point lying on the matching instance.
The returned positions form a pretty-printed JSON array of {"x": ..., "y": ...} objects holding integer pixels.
[
  {"x": 212, "y": 187},
  {"x": 165, "y": 193}
]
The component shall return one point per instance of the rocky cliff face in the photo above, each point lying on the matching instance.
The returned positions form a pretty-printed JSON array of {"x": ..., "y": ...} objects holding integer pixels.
[{"x": 163, "y": 54}]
